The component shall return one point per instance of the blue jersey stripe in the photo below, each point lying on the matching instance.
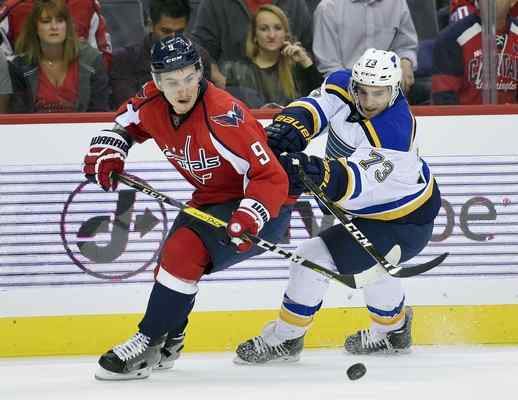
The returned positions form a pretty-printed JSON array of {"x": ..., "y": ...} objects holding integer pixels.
[
  {"x": 321, "y": 114},
  {"x": 336, "y": 147},
  {"x": 357, "y": 180},
  {"x": 380, "y": 208}
]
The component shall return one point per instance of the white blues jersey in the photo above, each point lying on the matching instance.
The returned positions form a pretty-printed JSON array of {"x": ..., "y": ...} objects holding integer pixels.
[{"x": 388, "y": 180}]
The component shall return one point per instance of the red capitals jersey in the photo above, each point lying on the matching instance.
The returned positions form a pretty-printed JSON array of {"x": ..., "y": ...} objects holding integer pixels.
[
  {"x": 219, "y": 147},
  {"x": 89, "y": 23},
  {"x": 462, "y": 8},
  {"x": 457, "y": 76}
]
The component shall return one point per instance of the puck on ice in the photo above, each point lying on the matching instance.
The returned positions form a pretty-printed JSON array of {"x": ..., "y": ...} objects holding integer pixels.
[{"x": 356, "y": 371}]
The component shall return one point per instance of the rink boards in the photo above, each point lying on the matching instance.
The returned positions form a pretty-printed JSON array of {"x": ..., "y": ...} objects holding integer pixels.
[{"x": 76, "y": 263}]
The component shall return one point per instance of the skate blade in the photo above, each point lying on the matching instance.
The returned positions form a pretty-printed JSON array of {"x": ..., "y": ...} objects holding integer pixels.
[
  {"x": 282, "y": 360},
  {"x": 381, "y": 353},
  {"x": 163, "y": 366},
  {"x": 104, "y": 375}
]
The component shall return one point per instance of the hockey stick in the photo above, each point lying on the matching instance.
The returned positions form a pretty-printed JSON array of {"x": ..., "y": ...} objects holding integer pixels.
[
  {"x": 348, "y": 280},
  {"x": 362, "y": 240}
]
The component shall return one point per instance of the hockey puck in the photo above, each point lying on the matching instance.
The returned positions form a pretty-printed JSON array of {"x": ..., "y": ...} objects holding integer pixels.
[{"x": 356, "y": 371}]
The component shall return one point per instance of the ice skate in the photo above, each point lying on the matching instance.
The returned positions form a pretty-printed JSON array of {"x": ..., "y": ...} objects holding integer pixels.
[
  {"x": 266, "y": 348},
  {"x": 133, "y": 359},
  {"x": 366, "y": 341},
  {"x": 170, "y": 352}
]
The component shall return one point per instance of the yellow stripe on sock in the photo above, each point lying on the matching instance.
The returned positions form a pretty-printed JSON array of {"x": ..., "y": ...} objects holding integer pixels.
[{"x": 294, "y": 319}]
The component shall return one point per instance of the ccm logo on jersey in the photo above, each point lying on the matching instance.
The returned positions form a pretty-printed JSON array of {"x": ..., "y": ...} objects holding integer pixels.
[{"x": 232, "y": 118}]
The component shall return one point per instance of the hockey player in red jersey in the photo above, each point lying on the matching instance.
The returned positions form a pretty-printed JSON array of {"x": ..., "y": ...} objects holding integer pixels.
[{"x": 217, "y": 145}]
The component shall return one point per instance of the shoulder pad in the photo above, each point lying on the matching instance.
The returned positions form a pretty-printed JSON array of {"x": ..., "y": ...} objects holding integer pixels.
[
  {"x": 340, "y": 78},
  {"x": 146, "y": 93},
  {"x": 232, "y": 117},
  {"x": 392, "y": 129},
  {"x": 338, "y": 83}
]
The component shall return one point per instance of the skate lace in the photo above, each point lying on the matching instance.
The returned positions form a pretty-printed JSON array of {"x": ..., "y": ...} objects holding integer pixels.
[
  {"x": 262, "y": 347},
  {"x": 133, "y": 347},
  {"x": 374, "y": 340}
]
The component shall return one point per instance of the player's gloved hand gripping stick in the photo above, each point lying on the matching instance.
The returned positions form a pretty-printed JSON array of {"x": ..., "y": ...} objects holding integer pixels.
[{"x": 353, "y": 281}]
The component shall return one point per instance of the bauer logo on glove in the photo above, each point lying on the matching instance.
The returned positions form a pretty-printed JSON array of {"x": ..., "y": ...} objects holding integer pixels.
[{"x": 287, "y": 134}]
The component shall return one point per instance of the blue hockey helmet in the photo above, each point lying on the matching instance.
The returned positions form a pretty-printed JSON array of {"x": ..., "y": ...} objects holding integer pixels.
[{"x": 172, "y": 53}]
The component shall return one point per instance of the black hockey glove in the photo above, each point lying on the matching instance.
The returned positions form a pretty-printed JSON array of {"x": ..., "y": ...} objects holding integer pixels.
[
  {"x": 287, "y": 134},
  {"x": 329, "y": 175}
]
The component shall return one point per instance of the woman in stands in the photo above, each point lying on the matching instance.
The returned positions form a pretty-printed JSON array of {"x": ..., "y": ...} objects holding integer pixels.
[
  {"x": 53, "y": 71},
  {"x": 278, "y": 69}
]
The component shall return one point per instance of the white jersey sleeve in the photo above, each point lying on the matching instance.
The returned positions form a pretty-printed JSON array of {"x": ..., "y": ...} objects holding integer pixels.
[{"x": 315, "y": 110}]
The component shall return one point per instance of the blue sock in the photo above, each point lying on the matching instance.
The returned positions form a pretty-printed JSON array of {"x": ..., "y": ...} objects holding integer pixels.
[{"x": 167, "y": 311}]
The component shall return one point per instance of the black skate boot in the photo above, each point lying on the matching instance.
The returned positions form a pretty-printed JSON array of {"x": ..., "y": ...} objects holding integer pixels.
[
  {"x": 170, "y": 352},
  {"x": 366, "y": 341},
  {"x": 264, "y": 349},
  {"x": 133, "y": 359}
]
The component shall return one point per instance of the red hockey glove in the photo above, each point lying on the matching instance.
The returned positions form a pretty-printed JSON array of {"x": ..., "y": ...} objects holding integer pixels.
[
  {"x": 106, "y": 155},
  {"x": 248, "y": 218}
]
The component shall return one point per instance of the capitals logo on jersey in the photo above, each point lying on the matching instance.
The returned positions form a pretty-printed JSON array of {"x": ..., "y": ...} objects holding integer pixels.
[
  {"x": 196, "y": 168},
  {"x": 232, "y": 118}
]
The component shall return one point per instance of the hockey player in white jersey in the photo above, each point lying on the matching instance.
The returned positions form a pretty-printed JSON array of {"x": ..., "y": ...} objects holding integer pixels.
[{"x": 372, "y": 170}]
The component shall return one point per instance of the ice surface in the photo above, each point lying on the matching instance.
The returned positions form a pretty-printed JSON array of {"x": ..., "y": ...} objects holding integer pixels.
[{"x": 429, "y": 372}]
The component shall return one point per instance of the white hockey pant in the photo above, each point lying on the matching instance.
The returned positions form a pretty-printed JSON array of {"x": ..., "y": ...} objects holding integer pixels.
[{"x": 306, "y": 289}]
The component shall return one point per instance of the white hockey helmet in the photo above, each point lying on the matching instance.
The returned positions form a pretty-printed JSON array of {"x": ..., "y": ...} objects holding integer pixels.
[{"x": 377, "y": 68}]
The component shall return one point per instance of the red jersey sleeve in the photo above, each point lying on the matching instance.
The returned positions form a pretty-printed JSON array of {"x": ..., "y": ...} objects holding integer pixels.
[
  {"x": 128, "y": 115},
  {"x": 241, "y": 140}
]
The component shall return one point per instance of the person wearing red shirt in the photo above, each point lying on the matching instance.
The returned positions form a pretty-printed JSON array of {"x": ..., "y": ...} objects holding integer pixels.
[
  {"x": 54, "y": 71},
  {"x": 217, "y": 145},
  {"x": 89, "y": 24}
]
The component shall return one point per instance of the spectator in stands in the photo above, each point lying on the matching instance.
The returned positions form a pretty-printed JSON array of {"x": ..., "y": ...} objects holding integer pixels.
[
  {"x": 221, "y": 26},
  {"x": 194, "y": 12},
  {"x": 53, "y": 71},
  {"x": 277, "y": 69},
  {"x": 89, "y": 24},
  {"x": 344, "y": 29},
  {"x": 5, "y": 84},
  {"x": 462, "y": 8},
  {"x": 312, "y": 5},
  {"x": 457, "y": 62},
  {"x": 131, "y": 64}
]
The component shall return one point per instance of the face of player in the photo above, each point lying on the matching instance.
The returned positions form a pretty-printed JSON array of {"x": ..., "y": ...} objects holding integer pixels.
[
  {"x": 167, "y": 26},
  {"x": 51, "y": 29},
  {"x": 373, "y": 99},
  {"x": 181, "y": 88},
  {"x": 269, "y": 33}
]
